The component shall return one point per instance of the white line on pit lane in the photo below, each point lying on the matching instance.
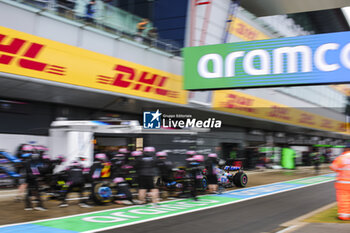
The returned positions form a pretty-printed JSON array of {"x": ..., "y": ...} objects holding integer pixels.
[{"x": 205, "y": 208}]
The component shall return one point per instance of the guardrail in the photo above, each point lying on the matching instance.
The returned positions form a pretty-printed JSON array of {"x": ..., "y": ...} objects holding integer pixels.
[{"x": 106, "y": 18}]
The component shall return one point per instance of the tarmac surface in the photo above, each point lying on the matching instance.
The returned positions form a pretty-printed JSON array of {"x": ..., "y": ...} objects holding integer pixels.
[
  {"x": 303, "y": 225},
  {"x": 324, "y": 228},
  {"x": 264, "y": 214}
]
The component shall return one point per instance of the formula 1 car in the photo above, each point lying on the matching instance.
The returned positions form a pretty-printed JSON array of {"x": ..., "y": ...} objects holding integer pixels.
[
  {"x": 240, "y": 179},
  {"x": 225, "y": 179},
  {"x": 8, "y": 163},
  {"x": 181, "y": 181}
]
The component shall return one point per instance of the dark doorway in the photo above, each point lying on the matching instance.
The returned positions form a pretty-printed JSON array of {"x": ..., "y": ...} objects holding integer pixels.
[{"x": 228, "y": 150}]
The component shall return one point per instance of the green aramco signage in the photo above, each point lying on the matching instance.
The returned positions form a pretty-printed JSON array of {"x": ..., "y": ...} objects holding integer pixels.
[{"x": 304, "y": 60}]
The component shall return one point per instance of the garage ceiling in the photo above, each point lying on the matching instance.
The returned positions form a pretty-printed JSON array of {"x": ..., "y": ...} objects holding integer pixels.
[{"x": 25, "y": 88}]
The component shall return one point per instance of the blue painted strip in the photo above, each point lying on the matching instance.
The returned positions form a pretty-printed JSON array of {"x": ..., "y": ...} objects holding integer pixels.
[
  {"x": 33, "y": 228},
  {"x": 261, "y": 190},
  {"x": 100, "y": 123},
  {"x": 330, "y": 175},
  {"x": 236, "y": 195}
]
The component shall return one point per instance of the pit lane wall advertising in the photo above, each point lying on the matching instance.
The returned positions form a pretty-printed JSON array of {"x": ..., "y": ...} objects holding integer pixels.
[
  {"x": 343, "y": 88},
  {"x": 245, "y": 31},
  {"x": 243, "y": 104},
  {"x": 303, "y": 60},
  {"x": 36, "y": 57}
]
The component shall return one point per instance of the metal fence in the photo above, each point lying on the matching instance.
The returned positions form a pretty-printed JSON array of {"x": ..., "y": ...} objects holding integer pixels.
[{"x": 107, "y": 18}]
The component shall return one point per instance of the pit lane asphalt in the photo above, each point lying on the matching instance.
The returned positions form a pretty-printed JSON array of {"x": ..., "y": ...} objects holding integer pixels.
[{"x": 264, "y": 214}]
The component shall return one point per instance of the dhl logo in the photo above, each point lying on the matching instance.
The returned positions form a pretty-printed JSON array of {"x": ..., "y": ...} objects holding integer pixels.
[
  {"x": 11, "y": 52},
  {"x": 307, "y": 119},
  {"x": 239, "y": 102},
  {"x": 128, "y": 77},
  {"x": 279, "y": 112},
  {"x": 326, "y": 123},
  {"x": 342, "y": 127}
]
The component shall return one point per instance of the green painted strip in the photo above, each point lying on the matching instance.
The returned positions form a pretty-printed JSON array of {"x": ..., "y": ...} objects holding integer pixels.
[
  {"x": 119, "y": 217},
  {"x": 116, "y": 217}
]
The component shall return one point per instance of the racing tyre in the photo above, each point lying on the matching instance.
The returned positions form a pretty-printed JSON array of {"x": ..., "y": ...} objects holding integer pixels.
[
  {"x": 240, "y": 179},
  {"x": 102, "y": 193}
]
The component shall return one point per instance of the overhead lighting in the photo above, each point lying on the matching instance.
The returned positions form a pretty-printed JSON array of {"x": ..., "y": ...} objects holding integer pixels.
[{"x": 346, "y": 12}]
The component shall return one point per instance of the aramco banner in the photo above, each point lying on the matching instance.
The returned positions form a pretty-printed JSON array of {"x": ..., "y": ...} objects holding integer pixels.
[
  {"x": 304, "y": 60},
  {"x": 36, "y": 57}
]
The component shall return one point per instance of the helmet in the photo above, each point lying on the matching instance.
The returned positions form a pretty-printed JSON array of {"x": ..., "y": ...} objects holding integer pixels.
[
  {"x": 61, "y": 158},
  {"x": 27, "y": 148},
  {"x": 75, "y": 164},
  {"x": 119, "y": 157},
  {"x": 123, "y": 150},
  {"x": 118, "y": 180},
  {"x": 161, "y": 154},
  {"x": 40, "y": 148},
  {"x": 198, "y": 158},
  {"x": 149, "y": 149},
  {"x": 43, "y": 148},
  {"x": 190, "y": 152},
  {"x": 101, "y": 156},
  {"x": 212, "y": 155},
  {"x": 86, "y": 169},
  {"x": 136, "y": 153}
]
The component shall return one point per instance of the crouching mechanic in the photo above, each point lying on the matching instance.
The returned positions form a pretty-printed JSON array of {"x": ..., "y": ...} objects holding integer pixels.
[
  {"x": 123, "y": 195},
  {"x": 342, "y": 166},
  {"x": 75, "y": 181}
]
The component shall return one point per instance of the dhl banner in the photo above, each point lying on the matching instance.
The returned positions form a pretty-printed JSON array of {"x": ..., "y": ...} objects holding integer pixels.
[
  {"x": 245, "y": 31},
  {"x": 247, "y": 105},
  {"x": 33, "y": 56}
]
